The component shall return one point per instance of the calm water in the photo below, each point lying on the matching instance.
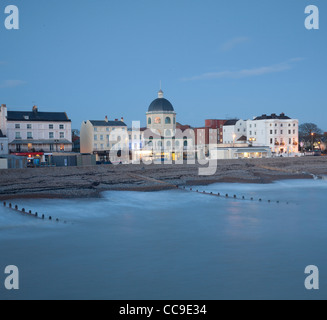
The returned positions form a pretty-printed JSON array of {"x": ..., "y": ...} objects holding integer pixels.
[{"x": 171, "y": 245}]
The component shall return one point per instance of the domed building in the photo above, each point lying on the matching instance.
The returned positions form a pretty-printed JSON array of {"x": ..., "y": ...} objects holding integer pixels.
[{"x": 161, "y": 117}]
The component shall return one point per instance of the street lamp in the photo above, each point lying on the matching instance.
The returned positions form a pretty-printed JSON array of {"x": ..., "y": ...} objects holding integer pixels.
[{"x": 234, "y": 137}]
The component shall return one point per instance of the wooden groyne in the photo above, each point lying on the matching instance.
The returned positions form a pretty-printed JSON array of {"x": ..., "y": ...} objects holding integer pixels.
[{"x": 30, "y": 213}]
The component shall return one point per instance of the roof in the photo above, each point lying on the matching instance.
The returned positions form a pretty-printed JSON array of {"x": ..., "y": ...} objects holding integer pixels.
[
  {"x": 243, "y": 138},
  {"x": 161, "y": 105},
  {"x": 231, "y": 122},
  {"x": 2, "y": 135},
  {"x": 282, "y": 116},
  {"x": 37, "y": 116},
  {"x": 104, "y": 123}
]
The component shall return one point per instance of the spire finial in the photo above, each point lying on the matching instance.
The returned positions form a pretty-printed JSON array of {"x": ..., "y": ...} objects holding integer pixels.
[{"x": 160, "y": 93}]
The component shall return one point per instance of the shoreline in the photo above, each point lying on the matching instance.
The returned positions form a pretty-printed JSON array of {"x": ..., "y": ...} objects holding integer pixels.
[{"x": 90, "y": 182}]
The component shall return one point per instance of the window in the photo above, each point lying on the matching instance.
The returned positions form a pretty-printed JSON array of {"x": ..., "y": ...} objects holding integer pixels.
[
  {"x": 271, "y": 141},
  {"x": 17, "y": 135},
  {"x": 281, "y": 124},
  {"x": 271, "y": 132},
  {"x": 281, "y": 131},
  {"x": 1, "y": 147},
  {"x": 62, "y": 135},
  {"x": 149, "y": 121},
  {"x": 51, "y": 135},
  {"x": 95, "y": 129},
  {"x": 107, "y": 129},
  {"x": 29, "y": 126},
  {"x": 51, "y": 147},
  {"x": 289, "y": 132},
  {"x": 250, "y": 133},
  {"x": 168, "y": 144},
  {"x": 293, "y": 131},
  {"x": 95, "y": 146},
  {"x": 61, "y": 127},
  {"x": 17, "y": 126},
  {"x": 275, "y": 131},
  {"x": 168, "y": 120},
  {"x": 95, "y": 137},
  {"x": 289, "y": 124},
  {"x": 290, "y": 141},
  {"x": 51, "y": 126},
  {"x": 101, "y": 137},
  {"x": 101, "y": 146},
  {"x": 29, "y": 135}
]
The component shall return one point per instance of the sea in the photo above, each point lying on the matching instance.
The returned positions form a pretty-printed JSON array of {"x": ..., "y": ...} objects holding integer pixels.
[{"x": 170, "y": 245}]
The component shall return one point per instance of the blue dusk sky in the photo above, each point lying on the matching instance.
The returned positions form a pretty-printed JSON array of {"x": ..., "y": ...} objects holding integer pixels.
[{"x": 216, "y": 58}]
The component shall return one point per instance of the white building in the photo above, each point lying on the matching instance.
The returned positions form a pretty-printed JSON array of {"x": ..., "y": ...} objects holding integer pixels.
[
  {"x": 279, "y": 132},
  {"x": 240, "y": 153},
  {"x": 100, "y": 137},
  {"x": 4, "y": 150},
  {"x": 34, "y": 131},
  {"x": 234, "y": 131}
]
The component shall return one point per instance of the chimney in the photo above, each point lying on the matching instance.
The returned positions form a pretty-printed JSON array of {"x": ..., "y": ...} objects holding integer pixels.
[
  {"x": 35, "y": 109},
  {"x": 122, "y": 119},
  {"x": 106, "y": 119},
  {"x": 282, "y": 114},
  {"x": 116, "y": 120}
]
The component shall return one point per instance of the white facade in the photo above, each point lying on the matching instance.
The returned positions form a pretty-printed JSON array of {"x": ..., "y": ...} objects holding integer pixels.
[
  {"x": 36, "y": 131},
  {"x": 233, "y": 130},
  {"x": 280, "y": 133},
  {"x": 99, "y": 137}
]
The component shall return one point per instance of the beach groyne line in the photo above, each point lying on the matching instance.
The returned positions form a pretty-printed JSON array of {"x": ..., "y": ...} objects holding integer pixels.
[
  {"x": 29, "y": 213},
  {"x": 228, "y": 196},
  {"x": 220, "y": 195}
]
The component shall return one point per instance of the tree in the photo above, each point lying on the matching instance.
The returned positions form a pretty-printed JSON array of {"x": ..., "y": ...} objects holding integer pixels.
[{"x": 306, "y": 131}]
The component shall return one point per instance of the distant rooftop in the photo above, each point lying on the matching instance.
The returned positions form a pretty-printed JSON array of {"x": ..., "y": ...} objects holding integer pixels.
[
  {"x": 231, "y": 122},
  {"x": 103, "y": 123},
  {"x": 273, "y": 116},
  {"x": 35, "y": 115}
]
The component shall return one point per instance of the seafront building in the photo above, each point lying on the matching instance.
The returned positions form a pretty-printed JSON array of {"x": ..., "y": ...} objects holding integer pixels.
[
  {"x": 36, "y": 132},
  {"x": 279, "y": 132},
  {"x": 99, "y": 137},
  {"x": 235, "y": 131}
]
